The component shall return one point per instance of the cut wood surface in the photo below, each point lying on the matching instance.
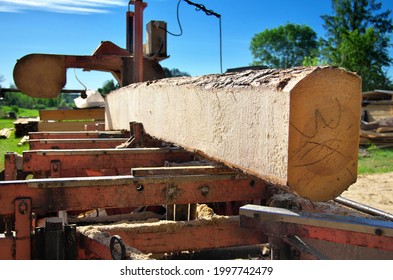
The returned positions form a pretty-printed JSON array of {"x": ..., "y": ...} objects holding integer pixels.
[
  {"x": 80, "y": 114},
  {"x": 296, "y": 128},
  {"x": 70, "y": 120}
]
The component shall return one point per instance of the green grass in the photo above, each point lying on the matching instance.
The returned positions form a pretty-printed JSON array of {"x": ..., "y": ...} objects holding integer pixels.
[
  {"x": 375, "y": 160},
  {"x": 22, "y": 112},
  {"x": 11, "y": 144}
]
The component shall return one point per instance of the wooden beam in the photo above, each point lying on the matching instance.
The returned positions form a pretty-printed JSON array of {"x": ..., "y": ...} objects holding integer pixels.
[
  {"x": 80, "y": 114},
  {"x": 65, "y": 126},
  {"x": 296, "y": 128},
  {"x": 170, "y": 236}
]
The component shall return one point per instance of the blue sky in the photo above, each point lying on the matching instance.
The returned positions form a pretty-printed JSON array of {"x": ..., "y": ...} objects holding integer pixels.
[{"x": 76, "y": 27}]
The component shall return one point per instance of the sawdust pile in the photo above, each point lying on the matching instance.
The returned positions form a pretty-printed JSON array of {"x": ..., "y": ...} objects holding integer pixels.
[
  {"x": 375, "y": 190},
  {"x": 104, "y": 238}
]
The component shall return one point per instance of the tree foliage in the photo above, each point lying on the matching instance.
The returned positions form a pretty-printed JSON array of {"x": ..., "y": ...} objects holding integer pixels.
[
  {"x": 108, "y": 86},
  {"x": 174, "y": 72},
  {"x": 285, "y": 46},
  {"x": 358, "y": 40},
  {"x": 21, "y": 100}
]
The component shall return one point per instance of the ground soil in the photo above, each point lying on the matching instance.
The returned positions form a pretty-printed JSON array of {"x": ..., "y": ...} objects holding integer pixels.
[{"x": 375, "y": 190}]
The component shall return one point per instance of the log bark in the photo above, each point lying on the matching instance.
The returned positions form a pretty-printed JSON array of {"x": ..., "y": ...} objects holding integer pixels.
[{"x": 296, "y": 128}]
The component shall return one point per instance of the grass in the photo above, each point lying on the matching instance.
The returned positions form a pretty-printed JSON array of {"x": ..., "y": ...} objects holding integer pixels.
[
  {"x": 375, "y": 160},
  {"x": 11, "y": 144}
]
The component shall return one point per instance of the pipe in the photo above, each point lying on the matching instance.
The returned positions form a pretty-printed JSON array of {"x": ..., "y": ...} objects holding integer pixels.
[{"x": 363, "y": 208}]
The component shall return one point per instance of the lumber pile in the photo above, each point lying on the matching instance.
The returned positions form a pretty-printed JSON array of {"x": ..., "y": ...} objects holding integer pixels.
[
  {"x": 379, "y": 132},
  {"x": 25, "y": 125},
  {"x": 377, "y": 118},
  {"x": 5, "y": 132},
  {"x": 72, "y": 120},
  {"x": 295, "y": 128}
]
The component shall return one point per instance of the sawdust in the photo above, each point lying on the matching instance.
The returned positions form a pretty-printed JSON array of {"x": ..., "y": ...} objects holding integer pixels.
[
  {"x": 293, "y": 202},
  {"x": 375, "y": 190},
  {"x": 101, "y": 233},
  {"x": 104, "y": 238},
  {"x": 204, "y": 212}
]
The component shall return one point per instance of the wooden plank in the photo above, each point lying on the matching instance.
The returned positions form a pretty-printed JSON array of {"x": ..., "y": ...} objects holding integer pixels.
[
  {"x": 5, "y": 132},
  {"x": 296, "y": 128},
  {"x": 169, "y": 236},
  {"x": 78, "y": 114},
  {"x": 64, "y": 126}
]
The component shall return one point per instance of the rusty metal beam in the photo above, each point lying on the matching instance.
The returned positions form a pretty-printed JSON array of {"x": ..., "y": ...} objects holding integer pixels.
[
  {"x": 77, "y": 134},
  {"x": 86, "y": 162},
  {"x": 88, "y": 143},
  {"x": 50, "y": 195},
  {"x": 339, "y": 229}
]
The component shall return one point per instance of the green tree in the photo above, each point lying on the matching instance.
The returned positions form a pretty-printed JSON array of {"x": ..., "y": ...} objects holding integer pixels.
[
  {"x": 285, "y": 46},
  {"x": 174, "y": 72},
  {"x": 108, "y": 86},
  {"x": 358, "y": 38}
]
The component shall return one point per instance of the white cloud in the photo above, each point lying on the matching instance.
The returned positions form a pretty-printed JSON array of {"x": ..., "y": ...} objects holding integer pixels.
[{"x": 61, "y": 6}]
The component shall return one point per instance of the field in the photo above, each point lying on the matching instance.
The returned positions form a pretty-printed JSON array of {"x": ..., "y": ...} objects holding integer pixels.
[{"x": 11, "y": 144}]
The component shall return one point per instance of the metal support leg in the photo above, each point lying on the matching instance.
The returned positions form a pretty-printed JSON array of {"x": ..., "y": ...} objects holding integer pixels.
[{"x": 23, "y": 229}]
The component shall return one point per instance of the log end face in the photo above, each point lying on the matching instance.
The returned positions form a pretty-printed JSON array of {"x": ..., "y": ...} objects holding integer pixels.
[{"x": 324, "y": 134}]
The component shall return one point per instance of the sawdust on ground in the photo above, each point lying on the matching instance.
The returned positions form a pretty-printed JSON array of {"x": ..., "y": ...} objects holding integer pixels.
[{"x": 375, "y": 190}]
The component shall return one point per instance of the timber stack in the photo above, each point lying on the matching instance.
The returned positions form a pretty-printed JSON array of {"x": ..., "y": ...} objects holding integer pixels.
[
  {"x": 25, "y": 125},
  {"x": 295, "y": 128},
  {"x": 377, "y": 118}
]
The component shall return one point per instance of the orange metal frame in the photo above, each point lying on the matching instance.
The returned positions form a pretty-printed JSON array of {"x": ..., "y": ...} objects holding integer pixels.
[{"x": 21, "y": 200}]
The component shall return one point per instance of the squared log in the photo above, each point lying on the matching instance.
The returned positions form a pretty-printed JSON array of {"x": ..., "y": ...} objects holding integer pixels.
[{"x": 296, "y": 128}]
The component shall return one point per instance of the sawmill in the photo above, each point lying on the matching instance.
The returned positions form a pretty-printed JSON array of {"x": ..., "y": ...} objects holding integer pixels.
[{"x": 249, "y": 163}]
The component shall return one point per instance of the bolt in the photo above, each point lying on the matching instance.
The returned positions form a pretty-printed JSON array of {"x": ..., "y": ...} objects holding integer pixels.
[
  {"x": 378, "y": 231},
  {"x": 140, "y": 188},
  {"x": 22, "y": 207},
  {"x": 205, "y": 190},
  {"x": 252, "y": 183}
]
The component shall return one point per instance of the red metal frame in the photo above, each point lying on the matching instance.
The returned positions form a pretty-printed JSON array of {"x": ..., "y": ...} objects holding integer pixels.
[
  {"x": 326, "y": 227},
  {"x": 139, "y": 6},
  {"x": 82, "y": 143}
]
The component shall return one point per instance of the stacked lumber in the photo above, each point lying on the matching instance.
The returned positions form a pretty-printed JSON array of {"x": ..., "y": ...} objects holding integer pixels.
[
  {"x": 72, "y": 120},
  {"x": 295, "y": 128},
  {"x": 379, "y": 132},
  {"x": 377, "y": 118},
  {"x": 25, "y": 125},
  {"x": 24, "y": 140},
  {"x": 5, "y": 132}
]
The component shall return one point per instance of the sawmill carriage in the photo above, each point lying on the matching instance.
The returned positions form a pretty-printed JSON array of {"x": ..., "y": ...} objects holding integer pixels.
[{"x": 253, "y": 160}]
